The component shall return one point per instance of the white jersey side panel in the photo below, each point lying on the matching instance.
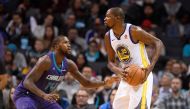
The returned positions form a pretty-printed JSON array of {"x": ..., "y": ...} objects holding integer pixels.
[{"x": 127, "y": 51}]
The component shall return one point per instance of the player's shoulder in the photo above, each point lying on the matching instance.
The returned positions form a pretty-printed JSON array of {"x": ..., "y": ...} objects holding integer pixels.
[
  {"x": 107, "y": 33},
  {"x": 69, "y": 61},
  {"x": 134, "y": 28},
  {"x": 44, "y": 61},
  {"x": 45, "y": 58},
  {"x": 71, "y": 64}
]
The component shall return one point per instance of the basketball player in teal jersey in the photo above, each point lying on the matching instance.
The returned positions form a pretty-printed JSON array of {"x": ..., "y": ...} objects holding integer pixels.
[
  {"x": 35, "y": 91},
  {"x": 127, "y": 42}
]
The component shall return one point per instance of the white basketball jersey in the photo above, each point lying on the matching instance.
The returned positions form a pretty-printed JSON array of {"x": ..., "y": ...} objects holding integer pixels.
[{"x": 126, "y": 50}]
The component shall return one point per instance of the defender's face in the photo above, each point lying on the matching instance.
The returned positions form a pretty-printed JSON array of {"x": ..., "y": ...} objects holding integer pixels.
[
  {"x": 109, "y": 19},
  {"x": 65, "y": 46}
]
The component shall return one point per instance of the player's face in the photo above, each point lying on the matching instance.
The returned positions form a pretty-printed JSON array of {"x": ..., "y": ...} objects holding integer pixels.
[
  {"x": 65, "y": 46},
  {"x": 109, "y": 19}
]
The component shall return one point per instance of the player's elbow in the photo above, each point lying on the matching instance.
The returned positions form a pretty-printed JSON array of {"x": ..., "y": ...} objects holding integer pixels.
[{"x": 159, "y": 44}]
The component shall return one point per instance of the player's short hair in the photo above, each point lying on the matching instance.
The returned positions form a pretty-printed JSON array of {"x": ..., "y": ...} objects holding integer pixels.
[
  {"x": 56, "y": 41},
  {"x": 117, "y": 11}
]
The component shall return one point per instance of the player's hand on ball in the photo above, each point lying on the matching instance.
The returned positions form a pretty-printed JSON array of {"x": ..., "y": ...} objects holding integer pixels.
[
  {"x": 134, "y": 75},
  {"x": 51, "y": 97},
  {"x": 111, "y": 80}
]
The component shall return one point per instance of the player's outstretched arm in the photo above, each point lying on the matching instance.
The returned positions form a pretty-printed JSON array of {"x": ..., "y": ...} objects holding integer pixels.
[
  {"x": 84, "y": 81},
  {"x": 140, "y": 35},
  {"x": 34, "y": 75}
]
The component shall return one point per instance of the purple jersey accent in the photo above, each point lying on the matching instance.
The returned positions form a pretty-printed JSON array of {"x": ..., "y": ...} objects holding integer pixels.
[{"x": 49, "y": 80}]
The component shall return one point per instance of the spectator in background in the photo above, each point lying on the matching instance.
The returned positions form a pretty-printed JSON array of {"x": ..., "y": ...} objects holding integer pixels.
[
  {"x": 93, "y": 14},
  {"x": 171, "y": 8},
  {"x": 154, "y": 99},
  {"x": 10, "y": 66},
  {"x": 149, "y": 14},
  {"x": 77, "y": 43},
  {"x": 186, "y": 49},
  {"x": 176, "y": 69},
  {"x": 95, "y": 31},
  {"x": 48, "y": 36},
  {"x": 103, "y": 5},
  {"x": 9, "y": 98},
  {"x": 108, "y": 104},
  {"x": 38, "y": 49},
  {"x": 173, "y": 27},
  {"x": 88, "y": 73},
  {"x": 92, "y": 96},
  {"x": 11, "y": 104},
  {"x": 81, "y": 101},
  {"x": 69, "y": 22},
  {"x": 59, "y": 6},
  {"x": 165, "y": 86},
  {"x": 187, "y": 94},
  {"x": 93, "y": 54},
  {"x": 70, "y": 85},
  {"x": 185, "y": 76},
  {"x": 6, "y": 91},
  {"x": 175, "y": 100},
  {"x": 14, "y": 27},
  {"x": 81, "y": 61},
  {"x": 185, "y": 25},
  {"x": 79, "y": 10},
  {"x": 103, "y": 95},
  {"x": 63, "y": 100},
  {"x": 31, "y": 63},
  {"x": 167, "y": 68},
  {"x": 39, "y": 30},
  {"x": 25, "y": 40},
  {"x": 19, "y": 59}
]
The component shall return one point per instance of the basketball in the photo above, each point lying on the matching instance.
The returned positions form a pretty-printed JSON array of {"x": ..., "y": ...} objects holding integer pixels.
[{"x": 134, "y": 75}]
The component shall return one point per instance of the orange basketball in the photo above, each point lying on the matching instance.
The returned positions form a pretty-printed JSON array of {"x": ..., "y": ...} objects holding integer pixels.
[{"x": 134, "y": 75}]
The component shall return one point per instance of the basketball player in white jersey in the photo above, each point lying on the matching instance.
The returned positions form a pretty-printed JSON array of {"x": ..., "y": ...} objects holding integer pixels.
[{"x": 127, "y": 42}]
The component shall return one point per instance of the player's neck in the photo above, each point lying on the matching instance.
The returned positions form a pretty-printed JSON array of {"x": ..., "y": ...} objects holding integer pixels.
[
  {"x": 58, "y": 57},
  {"x": 119, "y": 28}
]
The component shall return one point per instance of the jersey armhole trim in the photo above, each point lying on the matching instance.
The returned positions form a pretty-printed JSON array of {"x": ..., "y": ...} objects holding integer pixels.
[
  {"x": 130, "y": 35},
  {"x": 110, "y": 40}
]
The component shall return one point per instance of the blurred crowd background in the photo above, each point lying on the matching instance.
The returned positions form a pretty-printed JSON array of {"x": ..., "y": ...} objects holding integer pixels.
[{"x": 27, "y": 28}]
